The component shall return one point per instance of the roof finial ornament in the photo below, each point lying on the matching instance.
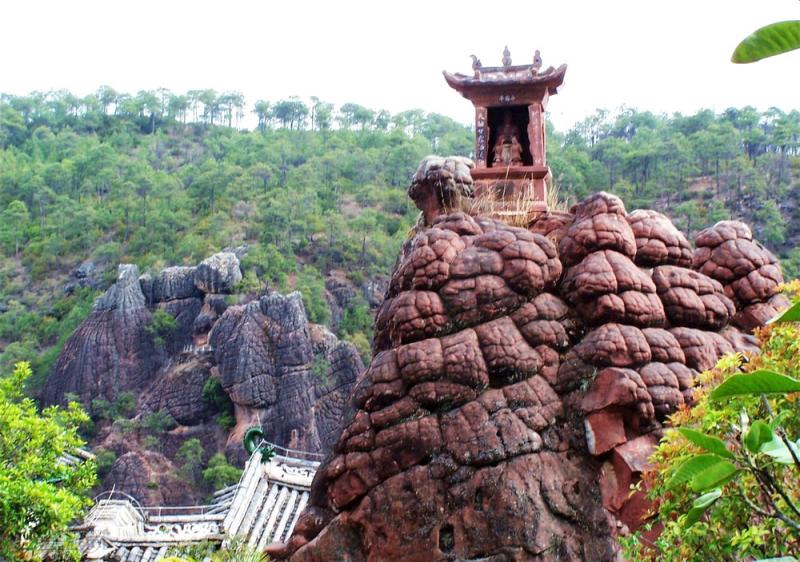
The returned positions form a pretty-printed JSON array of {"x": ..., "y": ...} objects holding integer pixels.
[
  {"x": 476, "y": 66},
  {"x": 506, "y": 57},
  {"x": 537, "y": 62}
]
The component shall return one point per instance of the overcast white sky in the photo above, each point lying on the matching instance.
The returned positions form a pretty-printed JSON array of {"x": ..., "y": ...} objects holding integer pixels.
[{"x": 663, "y": 56}]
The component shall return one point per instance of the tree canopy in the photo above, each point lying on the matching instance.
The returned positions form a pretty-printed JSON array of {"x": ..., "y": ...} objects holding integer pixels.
[
  {"x": 160, "y": 178},
  {"x": 40, "y": 493}
]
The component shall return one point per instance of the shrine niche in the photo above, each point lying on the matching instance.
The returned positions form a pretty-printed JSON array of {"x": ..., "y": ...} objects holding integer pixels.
[{"x": 510, "y": 145}]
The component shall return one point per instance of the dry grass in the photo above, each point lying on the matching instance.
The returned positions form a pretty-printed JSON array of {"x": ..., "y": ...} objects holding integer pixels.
[
  {"x": 555, "y": 202},
  {"x": 515, "y": 211}
]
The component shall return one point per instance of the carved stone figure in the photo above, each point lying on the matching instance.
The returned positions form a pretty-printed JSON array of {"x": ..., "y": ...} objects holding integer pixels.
[{"x": 507, "y": 148}]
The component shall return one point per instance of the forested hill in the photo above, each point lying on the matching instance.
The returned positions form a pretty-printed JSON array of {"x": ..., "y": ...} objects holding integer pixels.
[{"x": 317, "y": 192}]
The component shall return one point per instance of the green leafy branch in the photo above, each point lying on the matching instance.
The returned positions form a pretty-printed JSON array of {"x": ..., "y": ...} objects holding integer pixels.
[
  {"x": 763, "y": 447},
  {"x": 768, "y": 41}
]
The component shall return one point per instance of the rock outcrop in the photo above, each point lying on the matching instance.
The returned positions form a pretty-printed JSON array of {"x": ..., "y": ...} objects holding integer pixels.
[
  {"x": 218, "y": 274},
  {"x": 520, "y": 381},
  {"x": 293, "y": 376},
  {"x": 111, "y": 351},
  {"x": 273, "y": 366}
]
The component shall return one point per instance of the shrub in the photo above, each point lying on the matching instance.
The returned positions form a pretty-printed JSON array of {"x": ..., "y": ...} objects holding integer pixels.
[
  {"x": 162, "y": 325},
  {"x": 158, "y": 422},
  {"x": 362, "y": 345},
  {"x": 151, "y": 443},
  {"x": 320, "y": 368},
  {"x": 190, "y": 454},
  {"x": 104, "y": 459},
  {"x": 219, "y": 473},
  {"x": 725, "y": 479},
  {"x": 311, "y": 285},
  {"x": 123, "y": 407},
  {"x": 216, "y": 395}
]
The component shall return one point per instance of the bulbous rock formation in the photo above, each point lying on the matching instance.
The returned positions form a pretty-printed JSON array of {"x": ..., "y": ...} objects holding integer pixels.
[
  {"x": 520, "y": 382},
  {"x": 439, "y": 183},
  {"x": 749, "y": 272}
]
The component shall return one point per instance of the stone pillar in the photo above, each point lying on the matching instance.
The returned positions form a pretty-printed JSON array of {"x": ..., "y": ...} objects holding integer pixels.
[
  {"x": 481, "y": 136},
  {"x": 536, "y": 134}
]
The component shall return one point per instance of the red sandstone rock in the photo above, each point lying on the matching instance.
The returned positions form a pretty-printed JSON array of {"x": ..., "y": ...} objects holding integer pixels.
[
  {"x": 658, "y": 242},
  {"x": 663, "y": 386},
  {"x": 498, "y": 422},
  {"x": 615, "y": 345},
  {"x": 627, "y": 462},
  {"x": 758, "y": 314},
  {"x": 692, "y": 299},
  {"x": 604, "y": 431},
  {"x": 749, "y": 272},
  {"x": 663, "y": 346},
  {"x": 604, "y": 272},
  {"x": 599, "y": 225},
  {"x": 546, "y": 320},
  {"x": 698, "y": 346},
  {"x": 619, "y": 388},
  {"x": 552, "y": 224}
]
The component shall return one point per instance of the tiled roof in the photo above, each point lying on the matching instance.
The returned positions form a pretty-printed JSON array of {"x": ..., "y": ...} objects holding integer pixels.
[{"x": 262, "y": 508}]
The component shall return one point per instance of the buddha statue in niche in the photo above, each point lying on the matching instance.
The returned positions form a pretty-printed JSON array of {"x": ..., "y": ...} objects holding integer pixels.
[{"x": 507, "y": 148}]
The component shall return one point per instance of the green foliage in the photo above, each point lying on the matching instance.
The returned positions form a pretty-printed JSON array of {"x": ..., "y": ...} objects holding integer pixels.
[
  {"x": 104, "y": 459},
  {"x": 190, "y": 453},
  {"x": 250, "y": 284},
  {"x": 226, "y": 420},
  {"x": 39, "y": 495},
  {"x": 13, "y": 226},
  {"x": 320, "y": 368},
  {"x": 356, "y": 317},
  {"x": 193, "y": 552},
  {"x": 237, "y": 551},
  {"x": 219, "y": 473},
  {"x": 709, "y": 443},
  {"x": 362, "y": 345},
  {"x": 158, "y": 422},
  {"x": 123, "y": 407},
  {"x": 791, "y": 314},
  {"x": 269, "y": 264},
  {"x": 151, "y": 443},
  {"x": 725, "y": 480},
  {"x": 311, "y": 285},
  {"x": 757, "y": 382},
  {"x": 162, "y": 325},
  {"x": 768, "y": 41},
  {"x": 120, "y": 178},
  {"x": 216, "y": 395}
]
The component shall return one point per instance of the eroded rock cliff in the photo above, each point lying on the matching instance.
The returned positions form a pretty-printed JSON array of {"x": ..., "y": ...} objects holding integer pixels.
[
  {"x": 275, "y": 368},
  {"x": 521, "y": 379}
]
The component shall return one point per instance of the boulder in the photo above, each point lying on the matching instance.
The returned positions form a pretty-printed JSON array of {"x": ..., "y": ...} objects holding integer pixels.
[
  {"x": 218, "y": 274},
  {"x": 172, "y": 283}
]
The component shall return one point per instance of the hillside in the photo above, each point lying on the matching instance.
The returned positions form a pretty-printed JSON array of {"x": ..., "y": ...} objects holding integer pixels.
[{"x": 316, "y": 194}]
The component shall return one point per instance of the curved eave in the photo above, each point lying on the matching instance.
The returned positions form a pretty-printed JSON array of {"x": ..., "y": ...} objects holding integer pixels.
[{"x": 551, "y": 80}]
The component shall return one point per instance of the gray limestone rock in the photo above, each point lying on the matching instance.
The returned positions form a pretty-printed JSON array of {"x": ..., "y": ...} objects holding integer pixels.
[{"x": 218, "y": 273}]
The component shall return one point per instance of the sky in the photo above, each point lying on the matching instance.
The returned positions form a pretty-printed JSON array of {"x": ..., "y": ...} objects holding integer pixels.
[{"x": 667, "y": 56}]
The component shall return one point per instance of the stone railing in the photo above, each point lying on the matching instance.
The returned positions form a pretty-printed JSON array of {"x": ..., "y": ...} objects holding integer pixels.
[{"x": 191, "y": 349}]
